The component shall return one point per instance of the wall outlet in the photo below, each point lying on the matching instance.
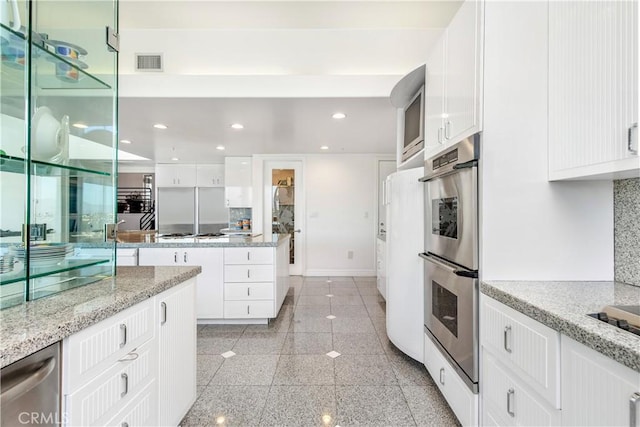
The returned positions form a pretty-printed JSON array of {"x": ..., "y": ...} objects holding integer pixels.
[{"x": 349, "y": 254}]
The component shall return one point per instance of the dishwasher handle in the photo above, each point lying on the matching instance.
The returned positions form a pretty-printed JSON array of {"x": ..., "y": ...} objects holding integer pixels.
[{"x": 28, "y": 381}]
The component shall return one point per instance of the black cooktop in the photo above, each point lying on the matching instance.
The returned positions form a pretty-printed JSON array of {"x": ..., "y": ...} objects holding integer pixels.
[
  {"x": 176, "y": 235},
  {"x": 618, "y": 323},
  {"x": 210, "y": 235}
]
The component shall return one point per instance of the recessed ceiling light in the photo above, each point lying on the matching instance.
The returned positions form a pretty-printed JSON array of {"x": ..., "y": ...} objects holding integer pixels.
[
  {"x": 175, "y": 159},
  {"x": 324, "y": 147},
  {"x": 220, "y": 147},
  {"x": 237, "y": 126},
  {"x": 160, "y": 126},
  {"x": 80, "y": 125},
  {"x": 339, "y": 115},
  {"x": 125, "y": 141}
]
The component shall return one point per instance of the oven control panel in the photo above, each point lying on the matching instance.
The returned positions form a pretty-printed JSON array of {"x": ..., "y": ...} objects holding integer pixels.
[{"x": 445, "y": 159}]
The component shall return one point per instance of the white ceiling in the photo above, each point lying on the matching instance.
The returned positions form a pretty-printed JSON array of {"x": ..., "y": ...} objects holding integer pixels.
[{"x": 279, "y": 67}]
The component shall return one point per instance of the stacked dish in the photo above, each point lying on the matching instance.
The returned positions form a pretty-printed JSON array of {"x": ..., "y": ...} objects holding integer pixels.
[{"x": 43, "y": 254}]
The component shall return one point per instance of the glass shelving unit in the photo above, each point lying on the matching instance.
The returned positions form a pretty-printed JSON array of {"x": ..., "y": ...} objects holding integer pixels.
[{"x": 58, "y": 147}]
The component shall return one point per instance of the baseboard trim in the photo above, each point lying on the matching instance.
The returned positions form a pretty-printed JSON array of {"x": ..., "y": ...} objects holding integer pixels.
[{"x": 337, "y": 273}]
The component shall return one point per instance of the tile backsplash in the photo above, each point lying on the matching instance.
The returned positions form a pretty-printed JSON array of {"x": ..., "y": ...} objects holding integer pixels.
[
  {"x": 236, "y": 214},
  {"x": 626, "y": 211}
]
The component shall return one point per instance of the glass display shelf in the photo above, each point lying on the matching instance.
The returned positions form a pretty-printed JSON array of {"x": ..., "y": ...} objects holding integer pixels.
[
  {"x": 67, "y": 265},
  {"x": 51, "y": 71},
  {"x": 17, "y": 165}
]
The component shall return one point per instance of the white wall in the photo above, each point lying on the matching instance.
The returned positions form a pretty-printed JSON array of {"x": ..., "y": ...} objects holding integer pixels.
[
  {"x": 532, "y": 229},
  {"x": 340, "y": 189}
]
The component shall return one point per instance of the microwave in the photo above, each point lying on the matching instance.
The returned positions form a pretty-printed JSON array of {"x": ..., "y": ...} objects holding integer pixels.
[{"x": 413, "y": 125}]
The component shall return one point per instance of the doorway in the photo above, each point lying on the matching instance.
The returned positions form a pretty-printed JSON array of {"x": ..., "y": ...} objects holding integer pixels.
[{"x": 284, "y": 207}]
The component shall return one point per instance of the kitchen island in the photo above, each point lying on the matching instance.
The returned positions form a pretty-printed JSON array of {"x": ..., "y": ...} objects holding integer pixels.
[{"x": 244, "y": 279}]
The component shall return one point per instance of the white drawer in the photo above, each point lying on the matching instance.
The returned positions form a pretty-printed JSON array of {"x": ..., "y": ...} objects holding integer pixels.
[
  {"x": 94, "y": 349},
  {"x": 248, "y": 255},
  {"x": 248, "y": 273},
  {"x": 141, "y": 411},
  {"x": 460, "y": 398},
  {"x": 248, "y": 291},
  {"x": 105, "y": 396},
  {"x": 509, "y": 401},
  {"x": 248, "y": 309},
  {"x": 529, "y": 348}
]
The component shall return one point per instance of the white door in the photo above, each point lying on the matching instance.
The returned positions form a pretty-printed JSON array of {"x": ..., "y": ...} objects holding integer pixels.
[{"x": 284, "y": 206}]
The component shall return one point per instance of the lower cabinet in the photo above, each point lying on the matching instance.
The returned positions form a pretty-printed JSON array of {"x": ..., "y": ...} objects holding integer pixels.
[
  {"x": 381, "y": 268},
  {"x": 210, "y": 292},
  {"x": 459, "y": 397},
  {"x": 136, "y": 368},
  {"x": 596, "y": 390},
  {"x": 177, "y": 344}
]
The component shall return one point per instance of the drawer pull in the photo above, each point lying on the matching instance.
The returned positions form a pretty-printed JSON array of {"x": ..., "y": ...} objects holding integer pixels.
[
  {"x": 507, "y": 336},
  {"x": 123, "y": 335},
  {"x": 633, "y": 409},
  {"x": 248, "y": 274},
  {"x": 125, "y": 383},
  {"x": 175, "y": 257},
  {"x": 248, "y": 292},
  {"x": 185, "y": 257},
  {"x": 248, "y": 256},
  {"x": 632, "y": 139},
  {"x": 132, "y": 355},
  {"x": 163, "y": 306},
  {"x": 248, "y": 310},
  {"x": 124, "y": 424},
  {"x": 442, "y": 376},
  {"x": 510, "y": 395}
]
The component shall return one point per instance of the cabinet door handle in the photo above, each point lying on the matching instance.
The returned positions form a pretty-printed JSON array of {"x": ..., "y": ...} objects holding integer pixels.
[
  {"x": 248, "y": 310},
  {"x": 248, "y": 273},
  {"x": 447, "y": 130},
  {"x": 633, "y": 409},
  {"x": 440, "y": 129},
  {"x": 175, "y": 257},
  {"x": 510, "y": 395},
  {"x": 123, "y": 335},
  {"x": 248, "y": 256},
  {"x": 185, "y": 257},
  {"x": 248, "y": 292},
  {"x": 125, "y": 383},
  {"x": 632, "y": 139},
  {"x": 442, "y": 376},
  {"x": 507, "y": 336},
  {"x": 163, "y": 306}
]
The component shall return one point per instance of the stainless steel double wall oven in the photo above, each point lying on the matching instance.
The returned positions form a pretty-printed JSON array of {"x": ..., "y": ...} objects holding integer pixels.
[{"x": 451, "y": 256}]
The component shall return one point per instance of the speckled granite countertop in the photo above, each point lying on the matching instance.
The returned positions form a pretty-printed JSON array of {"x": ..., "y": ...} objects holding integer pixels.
[
  {"x": 564, "y": 306},
  {"x": 29, "y": 327},
  {"x": 153, "y": 241}
]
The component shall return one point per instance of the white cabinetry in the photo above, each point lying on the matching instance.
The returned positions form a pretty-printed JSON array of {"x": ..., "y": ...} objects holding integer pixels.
[
  {"x": 209, "y": 304},
  {"x": 136, "y": 368},
  {"x": 210, "y": 175},
  {"x": 597, "y": 391},
  {"x": 461, "y": 400},
  {"x": 169, "y": 175},
  {"x": 593, "y": 89},
  {"x": 177, "y": 355},
  {"x": 454, "y": 80},
  {"x": 238, "y": 182},
  {"x": 250, "y": 279},
  {"x": 381, "y": 270}
]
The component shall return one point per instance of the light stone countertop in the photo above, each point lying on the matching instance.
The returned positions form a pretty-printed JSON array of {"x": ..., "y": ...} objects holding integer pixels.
[
  {"x": 153, "y": 241},
  {"x": 564, "y": 306},
  {"x": 29, "y": 327}
]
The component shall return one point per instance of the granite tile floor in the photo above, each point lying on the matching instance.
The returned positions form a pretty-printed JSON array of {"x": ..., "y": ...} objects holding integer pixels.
[{"x": 282, "y": 374}]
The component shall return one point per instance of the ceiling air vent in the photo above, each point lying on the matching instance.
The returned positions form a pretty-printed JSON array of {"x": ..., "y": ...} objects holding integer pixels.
[{"x": 148, "y": 62}]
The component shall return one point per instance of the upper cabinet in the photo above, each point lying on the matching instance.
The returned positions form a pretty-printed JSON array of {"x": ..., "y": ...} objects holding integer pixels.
[
  {"x": 170, "y": 175},
  {"x": 593, "y": 90},
  {"x": 454, "y": 80},
  {"x": 58, "y": 144},
  {"x": 210, "y": 175},
  {"x": 238, "y": 183}
]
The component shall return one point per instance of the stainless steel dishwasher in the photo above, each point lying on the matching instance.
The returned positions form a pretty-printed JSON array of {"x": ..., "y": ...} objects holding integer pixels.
[{"x": 30, "y": 390}]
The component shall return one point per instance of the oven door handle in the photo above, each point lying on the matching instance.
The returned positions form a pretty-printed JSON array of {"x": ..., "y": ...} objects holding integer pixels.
[{"x": 472, "y": 274}]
